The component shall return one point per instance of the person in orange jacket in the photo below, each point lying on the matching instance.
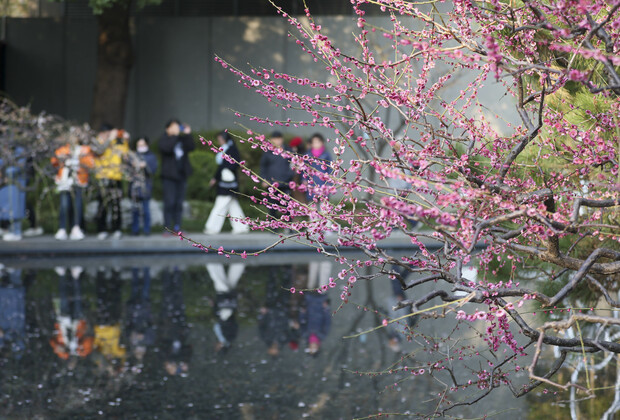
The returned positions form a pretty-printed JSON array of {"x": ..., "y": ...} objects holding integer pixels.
[{"x": 73, "y": 161}]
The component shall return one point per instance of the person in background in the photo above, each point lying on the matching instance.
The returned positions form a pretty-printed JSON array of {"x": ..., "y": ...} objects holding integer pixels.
[
  {"x": 144, "y": 166},
  {"x": 298, "y": 147},
  {"x": 13, "y": 192},
  {"x": 276, "y": 168},
  {"x": 109, "y": 172},
  {"x": 323, "y": 159},
  {"x": 175, "y": 146},
  {"x": 226, "y": 179},
  {"x": 73, "y": 161}
]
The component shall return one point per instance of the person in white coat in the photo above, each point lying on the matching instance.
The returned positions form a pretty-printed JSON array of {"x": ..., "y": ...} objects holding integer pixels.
[{"x": 226, "y": 179}]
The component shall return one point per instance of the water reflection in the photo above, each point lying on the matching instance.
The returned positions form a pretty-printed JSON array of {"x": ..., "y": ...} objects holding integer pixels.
[
  {"x": 12, "y": 312},
  {"x": 221, "y": 341},
  {"x": 110, "y": 353},
  {"x": 225, "y": 306},
  {"x": 71, "y": 338},
  {"x": 274, "y": 319},
  {"x": 139, "y": 327},
  {"x": 173, "y": 329}
]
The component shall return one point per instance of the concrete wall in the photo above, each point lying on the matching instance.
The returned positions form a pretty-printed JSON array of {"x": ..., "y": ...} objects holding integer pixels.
[{"x": 50, "y": 63}]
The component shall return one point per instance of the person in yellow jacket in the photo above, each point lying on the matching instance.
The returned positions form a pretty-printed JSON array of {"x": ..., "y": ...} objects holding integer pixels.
[{"x": 114, "y": 148}]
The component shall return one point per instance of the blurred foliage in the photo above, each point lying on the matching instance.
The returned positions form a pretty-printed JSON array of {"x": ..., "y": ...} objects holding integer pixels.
[{"x": 552, "y": 405}]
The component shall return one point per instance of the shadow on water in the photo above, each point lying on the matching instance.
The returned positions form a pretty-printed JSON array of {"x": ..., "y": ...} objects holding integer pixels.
[{"x": 150, "y": 339}]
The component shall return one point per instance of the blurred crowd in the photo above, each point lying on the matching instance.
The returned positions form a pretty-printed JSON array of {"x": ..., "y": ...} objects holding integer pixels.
[{"x": 110, "y": 165}]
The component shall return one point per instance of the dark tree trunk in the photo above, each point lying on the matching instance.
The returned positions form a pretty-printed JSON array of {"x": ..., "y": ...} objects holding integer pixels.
[{"x": 114, "y": 61}]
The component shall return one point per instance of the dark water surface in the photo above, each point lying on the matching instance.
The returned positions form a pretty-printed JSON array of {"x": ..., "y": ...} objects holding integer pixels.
[{"x": 178, "y": 338}]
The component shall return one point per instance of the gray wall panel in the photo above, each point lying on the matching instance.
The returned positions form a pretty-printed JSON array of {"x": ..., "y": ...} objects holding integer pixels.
[
  {"x": 81, "y": 64},
  {"x": 51, "y": 63},
  {"x": 170, "y": 73},
  {"x": 34, "y": 63}
]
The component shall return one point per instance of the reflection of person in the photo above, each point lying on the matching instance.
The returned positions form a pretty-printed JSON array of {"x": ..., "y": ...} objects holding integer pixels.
[
  {"x": 319, "y": 152},
  {"x": 315, "y": 320},
  {"x": 273, "y": 318},
  {"x": 108, "y": 320},
  {"x": 73, "y": 161},
  {"x": 398, "y": 295},
  {"x": 315, "y": 316},
  {"x": 175, "y": 146},
  {"x": 13, "y": 193},
  {"x": 109, "y": 172},
  {"x": 227, "y": 181},
  {"x": 225, "y": 306},
  {"x": 275, "y": 168},
  {"x": 139, "y": 327},
  {"x": 141, "y": 189},
  {"x": 173, "y": 328},
  {"x": 12, "y": 311},
  {"x": 71, "y": 334}
]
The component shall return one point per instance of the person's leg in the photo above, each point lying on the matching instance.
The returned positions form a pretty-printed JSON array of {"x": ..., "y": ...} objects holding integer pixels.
[
  {"x": 216, "y": 218},
  {"x": 117, "y": 217},
  {"x": 16, "y": 228},
  {"x": 146, "y": 214},
  {"x": 136, "y": 283},
  {"x": 168, "y": 196},
  {"x": 236, "y": 213},
  {"x": 102, "y": 210},
  {"x": 179, "y": 199},
  {"x": 63, "y": 290},
  {"x": 63, "y": 210},
  {"x": 235, "y": 271},
  {"x": 77, "y": 312},
  {"x": 78, "y": 206},
  {"x": 146, "y": 287},
  {"x": 32, "y": 219},
  {"x": 313, "y": 274},
  {"x": 135, "y": 217},
  {"x": 218, "y": 276}
]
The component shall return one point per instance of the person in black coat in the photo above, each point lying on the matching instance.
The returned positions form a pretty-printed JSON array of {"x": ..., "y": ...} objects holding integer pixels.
[
  {"x": 227, "y": 181},
  {"x": 175, "y": 146}
]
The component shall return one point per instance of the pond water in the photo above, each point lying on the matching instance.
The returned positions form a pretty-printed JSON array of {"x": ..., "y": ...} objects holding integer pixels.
[{"x": 174, "y": 338}]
